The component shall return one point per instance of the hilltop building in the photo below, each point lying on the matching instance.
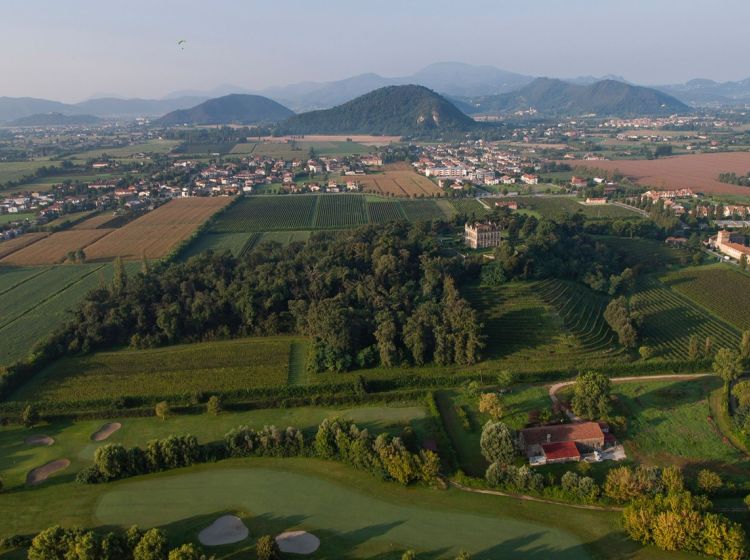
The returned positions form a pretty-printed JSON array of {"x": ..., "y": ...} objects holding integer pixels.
[
  {"x": 562, "y": 442},
  {"x": 479, "y": 235}
]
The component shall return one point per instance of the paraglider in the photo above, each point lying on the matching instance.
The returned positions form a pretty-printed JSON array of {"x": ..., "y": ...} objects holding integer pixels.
[{"x": 181, "y": 44}]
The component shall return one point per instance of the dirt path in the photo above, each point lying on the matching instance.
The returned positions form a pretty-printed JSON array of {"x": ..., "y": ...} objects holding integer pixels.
[{"x": 553, "y": 389}]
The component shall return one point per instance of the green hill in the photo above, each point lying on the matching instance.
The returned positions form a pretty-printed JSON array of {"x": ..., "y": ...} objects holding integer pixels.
[
  {"x": 230, "y": 109},
  {"x": 55, "y": 119},
  {"x": 607, "y": 97},
  {"x": 392, "y": 110}
]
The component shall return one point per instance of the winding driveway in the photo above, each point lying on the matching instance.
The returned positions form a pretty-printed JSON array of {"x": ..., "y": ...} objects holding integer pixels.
[{"x": 553, "y": 389}]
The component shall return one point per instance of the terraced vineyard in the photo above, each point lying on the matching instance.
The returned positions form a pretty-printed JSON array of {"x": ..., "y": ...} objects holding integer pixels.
[
  {"x": 237, "y": 243},
  {"x": 670, "y": 320},
  {"x": 582, "y": 312},
  {"x": 425, "y": 210},
  {"x": 341, "y": 211},
  {"x": 470, "y": 207},
  {"x": 521, "y": 325}
]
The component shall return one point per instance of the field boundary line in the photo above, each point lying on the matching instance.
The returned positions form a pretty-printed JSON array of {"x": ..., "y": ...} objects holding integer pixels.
[
  {"x": 483, "y": 203},
  {"x": 52, "y": 296},
  {"x": 528, "y": 498}
]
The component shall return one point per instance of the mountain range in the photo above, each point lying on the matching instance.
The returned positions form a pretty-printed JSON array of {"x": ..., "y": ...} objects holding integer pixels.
[
  {"x": 55, "y": 119},
  {"x": 236, "y": 108},
  {"x": 463, "y": 84}
]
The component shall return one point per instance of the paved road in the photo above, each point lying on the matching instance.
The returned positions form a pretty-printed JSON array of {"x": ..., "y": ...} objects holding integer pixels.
[{"x": 553, "y": 389}]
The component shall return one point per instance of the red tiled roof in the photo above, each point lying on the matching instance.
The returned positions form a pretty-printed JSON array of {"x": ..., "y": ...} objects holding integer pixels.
[
  {"x": 562, "y": 450},
  {"x": 562, "y": 432}
]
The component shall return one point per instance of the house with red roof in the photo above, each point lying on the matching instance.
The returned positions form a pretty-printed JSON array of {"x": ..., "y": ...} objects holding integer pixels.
[{"x": 561, "y": 442}]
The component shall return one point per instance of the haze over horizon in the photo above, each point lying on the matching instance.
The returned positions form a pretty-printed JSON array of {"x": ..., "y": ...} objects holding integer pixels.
[{"x": 79, "y": 49}]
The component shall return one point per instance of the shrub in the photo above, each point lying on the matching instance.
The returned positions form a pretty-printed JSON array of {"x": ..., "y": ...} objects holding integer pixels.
[
  {"x": 266, "y": 548},
  {"x": 213, "y": 406},
  {"x": 709, "y": 481}
]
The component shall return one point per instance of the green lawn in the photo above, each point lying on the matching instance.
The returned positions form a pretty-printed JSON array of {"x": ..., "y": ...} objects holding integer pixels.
[
  {"x": 14, "y": 170},
  {"x": 668, "y": 423},
  {"x": 179, "y": 370},
  {"x": 8, "y": 218},
  {"x": 354, "y": 515}
]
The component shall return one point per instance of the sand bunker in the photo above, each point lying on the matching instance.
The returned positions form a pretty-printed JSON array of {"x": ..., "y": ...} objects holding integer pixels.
[
  {"x": 298, "y": 542},
  {"x": 105, "y": 431},
  {"x": 227, "y": 529},
  {"x": 40, "y": 474},
  {"x": 39, "y": 440}
]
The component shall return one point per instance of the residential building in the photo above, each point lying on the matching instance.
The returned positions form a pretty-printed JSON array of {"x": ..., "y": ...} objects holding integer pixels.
[
  {"x": 479, "y": 235},
  {"x": 730, "y": 244}
]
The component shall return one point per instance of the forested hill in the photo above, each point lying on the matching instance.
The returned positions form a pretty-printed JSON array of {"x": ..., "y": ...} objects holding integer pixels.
[
  {"x": 55, "y": 119},
  {"x": 393, "y": 110},
  {"x": 230, "y": 109},
  {"x": 378, "y": 295},
  {"x": 607, "y": 97}
]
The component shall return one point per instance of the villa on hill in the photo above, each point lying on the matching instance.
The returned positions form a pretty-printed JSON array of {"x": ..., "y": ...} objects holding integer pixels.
[
  {"x": 730, "y": 244},
  {"x": 479, "y": 235}
]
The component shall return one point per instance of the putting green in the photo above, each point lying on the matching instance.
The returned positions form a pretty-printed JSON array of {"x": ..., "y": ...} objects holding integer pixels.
[{"x": 360, "y": 522}]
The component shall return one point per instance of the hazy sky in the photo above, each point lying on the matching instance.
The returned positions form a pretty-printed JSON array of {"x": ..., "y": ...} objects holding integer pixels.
[{"x": 72, "y": 49}]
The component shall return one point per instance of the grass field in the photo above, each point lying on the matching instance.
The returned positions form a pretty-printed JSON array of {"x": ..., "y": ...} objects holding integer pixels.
[
  {"x": 73, "y": 439},
  {"x": 19, "y": 217},
  {"x": 556, "y": 206},
  {"x": 156, "y": 233},
  {"x": 648, "y": 253},
  {"x": 35, "y": 301},
  {"x": 719, "y": 289},
  {"x": 370, "y": 519},
  {"x": 668, "y": 423},
  {"x": 670, "y": 319},
  {"x": 124, "y": 152},
  {"x": 171, "y": 371},
  {"x": 14, "y": 170}
]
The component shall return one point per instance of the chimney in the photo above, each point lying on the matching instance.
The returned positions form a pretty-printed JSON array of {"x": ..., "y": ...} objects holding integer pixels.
[{"x": 549, "y": 438}]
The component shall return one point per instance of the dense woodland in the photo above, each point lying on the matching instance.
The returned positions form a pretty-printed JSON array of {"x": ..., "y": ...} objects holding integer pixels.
[{"x": 382, "y": 295}]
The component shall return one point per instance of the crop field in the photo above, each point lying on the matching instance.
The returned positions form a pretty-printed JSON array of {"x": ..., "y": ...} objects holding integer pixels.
[
  {"x": 470, "y": 207},
  {"x": 236, "y": 243},
  {"x": 645, "y": 252},
  {"x": 426, "y": 210},
  {"x": 283, "y": 237},
  {"x": 521, "y": 326},
  {"x": 399, "y": 179},
  {"x": 124, "y": 152},
  {"x": 670, "y": 319},
  {"x": 105, "y": 220},
  {"x": 340, "y": 211},
  {"x": 668, "y": 423},
  {"x": 35, "y": 301},
  {"x": 55, "y": 248},
  {"x": 154, "y": 234},
  {"x": 556, "y": 206},
  {"x": 699, "y": 172},
  {"x": 12, "y": 245},
  {"x": 268, "y": 213},
  {"x": 300, "y": 149},
  {"x": 718, "y": 288},
  {"x": 68, "y": 219},
  {"x": 205, "y": 149},
  {"x": 163, "y": 372},
  {"x": 385, "y": 211}
]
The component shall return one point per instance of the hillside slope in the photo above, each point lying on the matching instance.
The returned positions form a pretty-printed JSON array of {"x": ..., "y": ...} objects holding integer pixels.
[{"x": 236, "y": 108}]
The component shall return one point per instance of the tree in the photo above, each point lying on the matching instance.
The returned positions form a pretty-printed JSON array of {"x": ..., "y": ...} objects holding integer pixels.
[
  {"x": 266, "y": 548},
  {"x": 709, "y": 481},
  {"x": 111, "y": 461},
  {"x": 498, "y": 443},
  {"x": 693, "y": 348},
  {"x": 463, "y": 555},
  {"x": 745, "y": 345},
  {"x": 409, "y": 555},
  {"x": 186, "y": 552},
  {"x": 727, "y": 365},
  {"x": 489, "y": 403},
  {"x": 152, "y": 546},
  {"x": 213, "y": 406},
  {"x": 162, "y": 409},
  {"x": 29, "y": 416},
  {"x": 119, "y": 276},
  {"x": 708, "y": 346},
  {"x": 591, "y": 395},
  {"x": 646, "y": 352}
]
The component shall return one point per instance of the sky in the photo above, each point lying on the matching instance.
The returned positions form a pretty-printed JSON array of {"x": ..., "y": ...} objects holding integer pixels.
[{"x": 71, "y": 50}]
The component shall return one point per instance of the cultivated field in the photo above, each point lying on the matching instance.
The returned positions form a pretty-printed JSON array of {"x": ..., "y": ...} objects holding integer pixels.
[
  {"x": 14, "y": 170},
  {"x": 55, "y": 248},
  {"x": 300, "y": 149},
  {"x": 12, "y": 245},
  {"x": 699, "y": 172},
  {"x": 35, "y": 301},
  {"x": 718, "y": 288},
  {"x": 399, "y": 179},
  {"x": 180, "y": 370},
  {"x": 124, "y": 152},
  {"x": 556, "y": 206},
  {"x": 426, "y": 210},
  {"x": 341, "y": 211},
  {"x": 646, "y": 252},
  {"x": 267, "y": 213},
  {"x": 100, "y": 221},
  {"x": 154, "y": 234}
]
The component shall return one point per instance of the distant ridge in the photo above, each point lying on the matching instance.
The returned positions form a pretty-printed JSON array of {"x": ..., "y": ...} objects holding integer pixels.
[
  {"x": 607, "y": 97},
  {"x": 392, "y": 110},
  {"x": 55, "y": 119},
  {"x": 236, "y": 108}
]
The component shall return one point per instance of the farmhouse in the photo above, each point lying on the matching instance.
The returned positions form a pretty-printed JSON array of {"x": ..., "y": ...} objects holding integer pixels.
[
  {"x": 510, "y": 205},
  {"x": 578, "y": 182},
  {"x": 529, "y": 179},
  {"x": 479, "y": 235},
  {"x": 730, "y": 244},
  {"x": 596, "y": 201},
  {"x": 562, "y": 442}
]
